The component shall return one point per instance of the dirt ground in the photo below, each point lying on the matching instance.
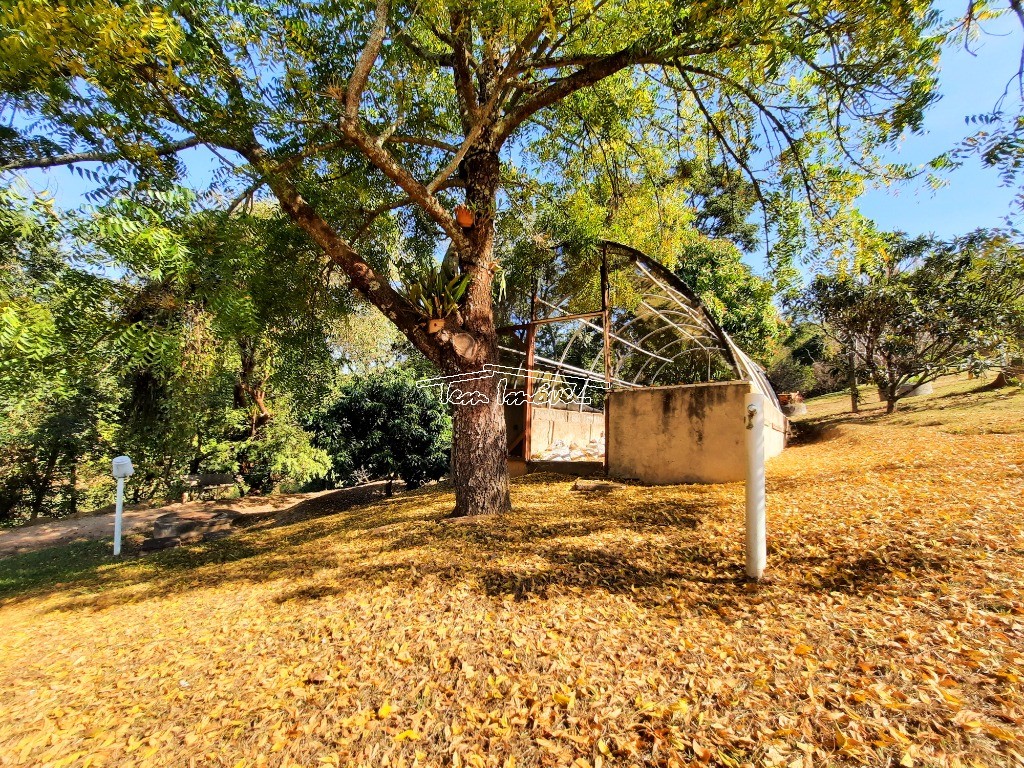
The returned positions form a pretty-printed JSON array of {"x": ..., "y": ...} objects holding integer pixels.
[
  {"x": 138, "y": 520},
  {"x": 612, "y": 628}
]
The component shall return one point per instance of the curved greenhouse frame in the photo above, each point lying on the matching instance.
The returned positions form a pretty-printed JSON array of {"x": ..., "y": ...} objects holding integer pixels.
[{"x": 640, "y": 326}]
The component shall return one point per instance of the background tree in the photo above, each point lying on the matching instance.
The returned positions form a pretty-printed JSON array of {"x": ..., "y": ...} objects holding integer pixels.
[
  {"x": 349, "y": 114},
  {"x": 190, "y": 340},
  {"x": 385, "y": 427},
  {"x": 924, "y": 308},
  {"x": 226, "y": 316},
  {"x": 56, "y": 390}
]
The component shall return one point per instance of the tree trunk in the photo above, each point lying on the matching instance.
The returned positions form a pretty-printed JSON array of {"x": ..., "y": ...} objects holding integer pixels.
[
  {"x": 479, "y": 442},
  {"x": 37, "y": 503},
  {"x": 854, "y": 392},
  {"x": 42, "y": 488},
  {"x": 480, "y": 454},
  {"x": 246, "y": 389},
  {"x": 73, "y": 487},
  {"x": 890, "y": 400}
]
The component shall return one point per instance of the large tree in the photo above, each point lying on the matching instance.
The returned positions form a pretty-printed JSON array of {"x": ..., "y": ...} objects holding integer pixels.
[
  {"x": 922, "y": 308},
  {"x": 56, "y": 392},
  {"x": 362, "y": 119}
]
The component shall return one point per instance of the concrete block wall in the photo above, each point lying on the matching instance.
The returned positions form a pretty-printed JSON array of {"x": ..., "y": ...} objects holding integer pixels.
[
  {"x": 551, "y": 425},
  {"x": 685, "y": 434}
]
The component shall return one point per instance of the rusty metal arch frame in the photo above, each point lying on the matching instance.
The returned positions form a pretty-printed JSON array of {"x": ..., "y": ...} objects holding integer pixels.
[{"x": 689, "y": 321}]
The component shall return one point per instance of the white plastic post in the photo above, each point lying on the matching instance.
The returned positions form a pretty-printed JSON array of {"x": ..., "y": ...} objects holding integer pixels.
[
  {"x": 756, "y": 546},
  {"x": 120, "y": 468},
  {"x": 118, "y": 507}
]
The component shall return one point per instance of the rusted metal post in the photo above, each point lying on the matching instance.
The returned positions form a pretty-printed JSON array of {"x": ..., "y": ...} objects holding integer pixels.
[
  {"x": 531, "y": 351},
  {"x": 606, "y": 316}
]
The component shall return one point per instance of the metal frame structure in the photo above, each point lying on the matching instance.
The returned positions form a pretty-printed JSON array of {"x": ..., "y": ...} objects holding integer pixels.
[{"x": 653, "y": 331}]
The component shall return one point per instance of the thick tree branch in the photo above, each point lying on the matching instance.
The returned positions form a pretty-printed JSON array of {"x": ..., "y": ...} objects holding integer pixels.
[
  {"x": 581, "y": 78},
  {"x": 394, "y": 205},
  {"x": 96, "y": 157},
  {"x": 592, "y": 72},
  {"x": 364, "y": 279},
  {"x": 453, "y": 164},
  {"x": 373, "y": 147},
  {"x": 420, "y": 194},
  {"x": 361, "y": 72},
  {"x": 423, "y": 141},
  {"x": 461, "y": 42}
]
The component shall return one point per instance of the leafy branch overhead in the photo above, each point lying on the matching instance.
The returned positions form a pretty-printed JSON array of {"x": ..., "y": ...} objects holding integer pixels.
[
  {"x": 416, "y": 91},
  {"x": 369, "y": 123}
]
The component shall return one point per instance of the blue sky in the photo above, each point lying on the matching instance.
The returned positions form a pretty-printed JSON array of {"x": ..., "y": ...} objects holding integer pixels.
[
  {"x": 969, "y": 84},
  {"x": 973, "y": 197}
]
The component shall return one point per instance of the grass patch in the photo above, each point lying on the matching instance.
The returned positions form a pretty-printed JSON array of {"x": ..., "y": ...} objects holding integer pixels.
[{"x": 47, "y": 568}]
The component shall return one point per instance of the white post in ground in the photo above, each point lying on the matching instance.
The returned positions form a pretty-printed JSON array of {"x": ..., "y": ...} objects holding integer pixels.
[
  {"x": 118, "y": 508},
  {"x": 122, "y": 468},
  {"x": 756, "y": 547}
]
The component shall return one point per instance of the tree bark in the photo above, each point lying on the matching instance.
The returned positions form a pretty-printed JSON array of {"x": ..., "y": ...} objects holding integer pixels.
[
  {"x": 245, "y": 387},
  {"x": 480, "y": 454},
  {"x": 42, "y": 488},
  {"x": 479, "y": 438},
  {"x": 854, "y": 392}
]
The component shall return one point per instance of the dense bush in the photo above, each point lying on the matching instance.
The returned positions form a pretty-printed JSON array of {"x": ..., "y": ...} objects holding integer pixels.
[
  {"x": 385, "y": 427},
  {"x": 809, "y": 363},
  {"x": 787, "y": 375}
]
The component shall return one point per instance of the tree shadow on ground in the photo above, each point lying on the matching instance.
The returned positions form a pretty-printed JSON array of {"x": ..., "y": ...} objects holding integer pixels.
[
  {"x": 653, "y": 550},
  {"x": 864, "y": 573},
  {"x": 271, "y": 548},
  {"x": 616, "y": 572},
  {"x": 813, "y": 432},
  {"x": 411, "y": 533}
]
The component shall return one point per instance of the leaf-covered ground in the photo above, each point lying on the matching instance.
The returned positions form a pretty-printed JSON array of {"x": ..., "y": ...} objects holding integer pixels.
[{"x": 593, "y": 630}]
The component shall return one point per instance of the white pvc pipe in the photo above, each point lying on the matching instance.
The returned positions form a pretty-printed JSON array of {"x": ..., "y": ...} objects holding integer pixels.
[
  {"x": 118, "y": 507},
  {"x": 756, "y": 545}
]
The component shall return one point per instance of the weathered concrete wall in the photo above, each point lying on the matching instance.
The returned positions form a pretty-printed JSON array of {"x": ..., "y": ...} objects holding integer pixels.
[
  {"x": 684, "y": 434},
  {"x": 568, "y": 427},
  {"x": 555, "y": 426}
]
